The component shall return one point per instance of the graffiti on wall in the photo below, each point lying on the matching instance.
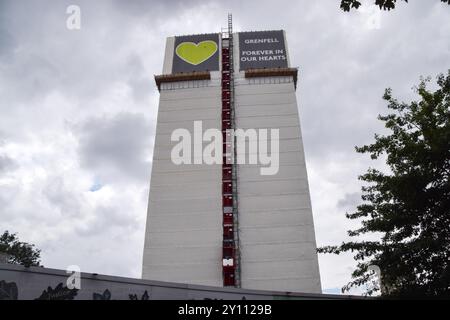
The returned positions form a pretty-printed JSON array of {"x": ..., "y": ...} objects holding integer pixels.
[
  {"x": 59, "y": 293},
  {"x": 8, "y": 290},
  {"x": 145, "y": 296},
  {"x": 106, "y": 295}
]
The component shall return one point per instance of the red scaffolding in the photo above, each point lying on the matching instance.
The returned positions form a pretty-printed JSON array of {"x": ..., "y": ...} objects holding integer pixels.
[{"x": 229, "y": 195}]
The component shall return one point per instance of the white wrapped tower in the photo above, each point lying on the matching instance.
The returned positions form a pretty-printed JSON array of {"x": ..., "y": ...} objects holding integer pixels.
[{"x": 227, "y": 224}]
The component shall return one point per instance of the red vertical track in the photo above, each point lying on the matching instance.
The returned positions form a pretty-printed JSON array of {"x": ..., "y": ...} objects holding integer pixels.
[{"x": 228, "y": 255}]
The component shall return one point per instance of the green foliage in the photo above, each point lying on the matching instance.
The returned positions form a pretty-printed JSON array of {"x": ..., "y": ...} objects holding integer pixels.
[
  {"x": 19, "y": 252},
  {"x": 347, "y": 5},
  {"x": 410, "y": 207}
]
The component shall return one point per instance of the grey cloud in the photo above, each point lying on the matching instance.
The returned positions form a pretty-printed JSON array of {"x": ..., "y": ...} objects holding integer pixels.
[
  {"x": 37, "y": 73},
  {"x": 7, "y": 43},
  {"x": 121, "y": 143},
  {"x": 80, "y": 64},
  {"x": 6, "y": 163},
  {"x": 156, "y": 9},
  {"x": 108, "y": 217},
  {"x": 350, "y": 201},
  {"x": 63, "y": 196},
  {"x": 140, "y": 82}
]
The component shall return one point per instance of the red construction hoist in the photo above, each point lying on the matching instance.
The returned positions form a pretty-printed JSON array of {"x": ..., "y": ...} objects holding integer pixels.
[{"x": 230, "y": 255}]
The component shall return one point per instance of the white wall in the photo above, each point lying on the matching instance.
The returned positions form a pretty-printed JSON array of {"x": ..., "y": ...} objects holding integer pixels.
[
  {"x": 276, "y": 228},
  {"x": 184, "y": 223}
]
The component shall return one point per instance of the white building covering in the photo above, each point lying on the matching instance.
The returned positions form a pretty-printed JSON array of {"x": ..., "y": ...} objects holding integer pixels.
[{"x": 184, "y": 232}]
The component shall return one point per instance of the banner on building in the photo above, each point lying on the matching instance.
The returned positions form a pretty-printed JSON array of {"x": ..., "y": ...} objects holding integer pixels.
[
  {"x": 262, "y": 49},
  {"x": 196, "y": 53}
]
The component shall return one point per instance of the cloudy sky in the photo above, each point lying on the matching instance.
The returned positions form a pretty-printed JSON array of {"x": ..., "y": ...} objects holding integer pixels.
[{"x": 78, "y": 110}]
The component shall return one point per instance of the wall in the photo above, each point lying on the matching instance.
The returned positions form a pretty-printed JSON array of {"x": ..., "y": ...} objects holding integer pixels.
[
  {"x": 184, "y": 222},
  {"x": 276, "y": 229},
  {"x": 18, "y": 282}
]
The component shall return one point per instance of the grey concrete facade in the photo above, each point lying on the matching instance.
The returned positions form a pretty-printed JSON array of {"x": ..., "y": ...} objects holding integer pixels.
[{"x": 184, "y": 223}]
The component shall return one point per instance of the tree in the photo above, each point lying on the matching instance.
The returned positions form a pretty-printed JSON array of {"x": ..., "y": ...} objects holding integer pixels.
[
  {"x": 347, "y": 5},
  {"x": 19, "y": 252},
  {"x": 408, "y": 208}
]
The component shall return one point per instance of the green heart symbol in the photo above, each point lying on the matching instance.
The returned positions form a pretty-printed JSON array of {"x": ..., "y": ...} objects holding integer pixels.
[{"x": 194, "y": 53}]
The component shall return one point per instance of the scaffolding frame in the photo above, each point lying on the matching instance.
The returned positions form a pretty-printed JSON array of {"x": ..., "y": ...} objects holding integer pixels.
[{"x": 230, "y": 249}]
